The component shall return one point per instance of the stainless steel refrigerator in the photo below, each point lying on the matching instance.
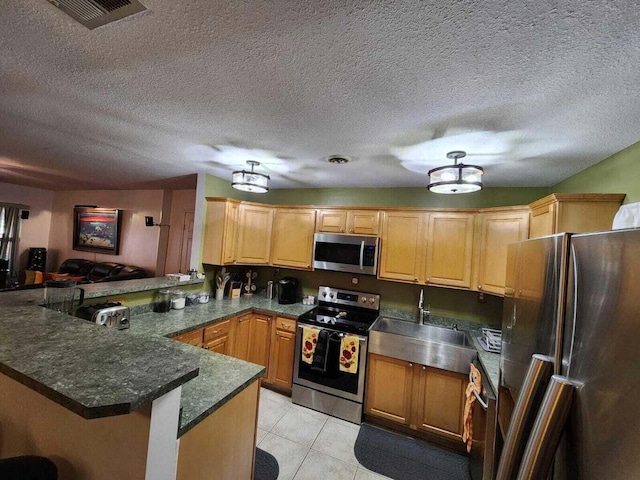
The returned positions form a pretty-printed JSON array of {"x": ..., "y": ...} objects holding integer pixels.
[{"x": 571, "y": 411}]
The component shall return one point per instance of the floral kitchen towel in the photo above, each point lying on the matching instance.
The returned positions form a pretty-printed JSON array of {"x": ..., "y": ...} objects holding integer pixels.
[
  {"x": 309, "y": 341},
  {"x": 349, "y": 349},
  {"x": 475, "y": 384}
]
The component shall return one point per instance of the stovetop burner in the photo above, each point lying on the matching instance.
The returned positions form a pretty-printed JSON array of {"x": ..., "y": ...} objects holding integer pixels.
[{"x": 343, "y": 310}]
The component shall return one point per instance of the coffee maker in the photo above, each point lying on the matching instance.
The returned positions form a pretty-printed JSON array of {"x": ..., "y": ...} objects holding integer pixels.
[{"x": 287, "y": 290}]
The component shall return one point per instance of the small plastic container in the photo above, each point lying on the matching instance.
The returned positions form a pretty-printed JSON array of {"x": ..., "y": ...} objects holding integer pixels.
[
  {"x": 203, "y": 297},
  {"x": 178, "y": 299}
]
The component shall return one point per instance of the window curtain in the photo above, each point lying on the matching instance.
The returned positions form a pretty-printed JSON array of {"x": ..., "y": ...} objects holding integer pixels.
[{"x": 9, "y": 227}]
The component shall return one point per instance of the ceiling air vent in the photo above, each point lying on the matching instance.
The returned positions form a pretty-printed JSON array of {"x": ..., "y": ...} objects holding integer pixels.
[{"x": 94, "y": 13}]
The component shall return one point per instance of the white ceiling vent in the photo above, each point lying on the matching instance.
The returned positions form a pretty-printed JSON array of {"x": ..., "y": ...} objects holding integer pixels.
[{"x": 94, "y": 13}]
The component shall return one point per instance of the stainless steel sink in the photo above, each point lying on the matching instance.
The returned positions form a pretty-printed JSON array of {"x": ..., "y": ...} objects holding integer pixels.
[{"x": 429, "y": 345}]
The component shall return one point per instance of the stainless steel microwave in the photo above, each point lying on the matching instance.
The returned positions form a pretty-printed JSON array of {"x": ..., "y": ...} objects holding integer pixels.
[{"x": 345, "y": 253}]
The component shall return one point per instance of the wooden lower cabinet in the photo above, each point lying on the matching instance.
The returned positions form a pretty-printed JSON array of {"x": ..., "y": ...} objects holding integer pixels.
[
  {"x": 416, "y": 396},
  {"x": 194, "y": 337},
  {"x": 282, "y": 351},
  {"x": 222, "y": 446},
  {"x": 389, "y": 388},
  {"x": 218, "y": 338},
  {"x": 441, "y": 400},
  {"x": 253, "y": 339}
]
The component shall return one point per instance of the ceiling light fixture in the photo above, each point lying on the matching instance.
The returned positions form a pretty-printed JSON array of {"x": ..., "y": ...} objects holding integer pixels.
[
  {"x": 250, "y": 181},
  {"x": 456, "y": 178}
]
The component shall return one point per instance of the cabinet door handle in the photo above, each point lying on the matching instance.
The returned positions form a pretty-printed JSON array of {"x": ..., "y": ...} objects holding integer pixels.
[
  {"x": 479, "y": 287},
  {"x": 215, "y": 331},
  {"x": 206, "y": 347},
  {"x": 410, "y": 365},
  {"x": 424, "y": 368}
]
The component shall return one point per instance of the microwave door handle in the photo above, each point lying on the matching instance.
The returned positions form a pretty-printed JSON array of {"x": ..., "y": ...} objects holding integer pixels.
[{"x": 362, "y": 255}]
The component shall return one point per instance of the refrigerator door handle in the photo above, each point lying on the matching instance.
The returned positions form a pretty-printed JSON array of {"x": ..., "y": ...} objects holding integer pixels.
[
  {"x": 524, "y": 413},
  {"x": 547, "y": 429}
]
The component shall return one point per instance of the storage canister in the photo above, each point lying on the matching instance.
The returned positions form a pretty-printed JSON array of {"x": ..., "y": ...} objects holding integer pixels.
[{"x": 178, "y": 299}]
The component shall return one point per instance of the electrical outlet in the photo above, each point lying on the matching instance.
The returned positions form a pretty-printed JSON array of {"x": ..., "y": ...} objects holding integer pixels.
[{"x": 482, "y": 298}]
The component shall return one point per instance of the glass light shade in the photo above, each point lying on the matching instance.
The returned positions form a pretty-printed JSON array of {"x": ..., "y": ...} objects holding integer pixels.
[
  {"x": 250, "y": 181},
  {"x": 453, "y": 179}
]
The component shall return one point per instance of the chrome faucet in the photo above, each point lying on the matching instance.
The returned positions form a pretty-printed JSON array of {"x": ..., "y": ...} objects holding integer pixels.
[{"x": 422, "y": 313}]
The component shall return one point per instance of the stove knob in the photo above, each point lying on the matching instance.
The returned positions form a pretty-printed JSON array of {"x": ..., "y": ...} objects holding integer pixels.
[
  {"x": 363, "y": 299},
  {"x": 331, "y": 295},
  {"x": 372, "y": 300},
  {"x": 324, "y": 294}
]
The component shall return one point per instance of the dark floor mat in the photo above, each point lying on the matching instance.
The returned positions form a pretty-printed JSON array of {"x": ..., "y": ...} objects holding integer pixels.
[
  {"x": 266, "y": 467},
  {"x": 402, "y": 457}
]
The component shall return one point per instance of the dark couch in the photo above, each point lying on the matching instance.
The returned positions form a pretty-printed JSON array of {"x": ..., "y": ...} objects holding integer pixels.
[{"x": 100, "y": 272}]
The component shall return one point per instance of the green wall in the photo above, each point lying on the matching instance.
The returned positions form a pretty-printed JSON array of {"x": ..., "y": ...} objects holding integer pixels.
[
  {"x": 620, "y": 173},
  {"x": 378, "y": 197}
]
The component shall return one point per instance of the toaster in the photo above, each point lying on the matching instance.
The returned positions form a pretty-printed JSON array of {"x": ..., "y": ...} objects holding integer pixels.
[{"x": 109, "y": 314}]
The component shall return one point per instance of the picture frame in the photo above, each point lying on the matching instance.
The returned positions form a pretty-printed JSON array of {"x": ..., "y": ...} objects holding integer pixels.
[{"x": 97, "y": 230}]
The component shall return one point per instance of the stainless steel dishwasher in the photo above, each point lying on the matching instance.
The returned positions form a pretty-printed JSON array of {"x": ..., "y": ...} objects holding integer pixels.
[{"x": 482, "y": 459}]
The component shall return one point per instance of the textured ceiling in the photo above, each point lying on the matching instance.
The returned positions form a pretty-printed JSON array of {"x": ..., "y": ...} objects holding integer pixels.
[{"x": 533, "y": 91}]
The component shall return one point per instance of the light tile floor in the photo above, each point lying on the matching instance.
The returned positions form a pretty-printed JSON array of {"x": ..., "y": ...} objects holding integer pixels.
[{"x": 308, "y": 445}]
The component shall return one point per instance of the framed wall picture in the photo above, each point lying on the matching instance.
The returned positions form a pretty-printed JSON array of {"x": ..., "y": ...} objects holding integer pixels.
[{"x": 97, "y": 230}]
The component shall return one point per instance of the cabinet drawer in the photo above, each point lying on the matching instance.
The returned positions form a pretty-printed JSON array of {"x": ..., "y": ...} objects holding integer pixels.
[
  {"x": 285, "y": 324},
  {"x": 192, "y": 338},
  {"x": 217, "y": 330}
]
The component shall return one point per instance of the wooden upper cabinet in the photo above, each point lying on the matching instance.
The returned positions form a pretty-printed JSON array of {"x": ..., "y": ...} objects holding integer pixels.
[
  {"x": 363, "y": 222},
  {"x": 574, "y": 213},
  {"x": 293, "y": 230},
  {"x": 450, "y": 249},
  {"x": 332, "y": 221},
  {"x": 402, "y": 246},
  {"x": 220, "y": 231},
  {"x": 497, "y": 229},
  {"x": 357, "y": 222},
  {"x": 255, "y": 224}
]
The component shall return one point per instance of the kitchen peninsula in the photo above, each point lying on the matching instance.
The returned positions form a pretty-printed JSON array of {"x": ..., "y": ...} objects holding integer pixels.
[
  {"x": 103, "y": 403},
  {"x": 130, "y": 391}
]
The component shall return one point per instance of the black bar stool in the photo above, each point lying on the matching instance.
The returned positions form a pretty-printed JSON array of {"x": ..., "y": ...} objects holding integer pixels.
[{"x": 28, "y": 467}]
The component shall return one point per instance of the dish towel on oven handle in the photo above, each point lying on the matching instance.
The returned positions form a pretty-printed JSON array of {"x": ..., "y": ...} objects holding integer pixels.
[
  {"x": 320, "y": 356},
  {"x": 309, "y": 341},
  {"x": 349, "y": 350}
]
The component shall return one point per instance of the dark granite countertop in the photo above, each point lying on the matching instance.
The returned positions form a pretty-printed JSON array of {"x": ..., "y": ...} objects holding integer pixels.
[
  {"x": 92, "y": 371},
  {"x": 97, "y": 372},
  {"x": 220, "y": 377}
]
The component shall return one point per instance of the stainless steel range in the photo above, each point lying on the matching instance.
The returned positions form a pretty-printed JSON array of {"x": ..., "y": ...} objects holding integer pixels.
[{"x": 331, "y": 353}]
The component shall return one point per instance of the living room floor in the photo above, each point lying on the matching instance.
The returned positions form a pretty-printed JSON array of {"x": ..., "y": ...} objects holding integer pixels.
[{"x": 308, "y": 445}]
